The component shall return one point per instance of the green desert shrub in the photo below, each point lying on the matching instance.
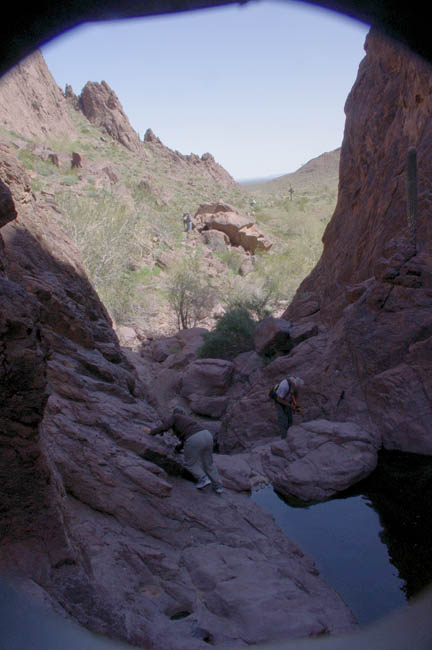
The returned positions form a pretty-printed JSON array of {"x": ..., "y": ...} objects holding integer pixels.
[
  {"x": 189, "y": 294},
  {"x": 262, "y": 299},
  {"x": 232, "y": 335},
  {"x": 260, "y": 292},
  {"x": 105, "y": 232},
  {"x": 232, "y": 259}
]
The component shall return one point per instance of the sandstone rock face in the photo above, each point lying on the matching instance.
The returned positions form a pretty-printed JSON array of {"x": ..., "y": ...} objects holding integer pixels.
[
  {"x": 101, "y": 106},
  {"x": 42, "y": 110},
  {"x": 372, "y": 290},
  {"x": 240, "y": 230},
  {"x": 97, "y": 519}
]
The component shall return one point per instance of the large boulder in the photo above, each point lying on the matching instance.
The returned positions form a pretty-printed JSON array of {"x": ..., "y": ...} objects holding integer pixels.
[
  {"x": 319, "y": 459},
  {"x": 213, "y": 407},
  {"x": 241, "y": 231},
  {"x": 216, "y": 240},
  {"x": 272, "y": 336},
  {"x": 210, "y": 377}
]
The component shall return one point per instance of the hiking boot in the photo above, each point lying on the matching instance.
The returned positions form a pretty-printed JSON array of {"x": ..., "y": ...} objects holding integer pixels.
[
  {"x": 203, "y": 482},
  {"x": 218, "y": 490}
]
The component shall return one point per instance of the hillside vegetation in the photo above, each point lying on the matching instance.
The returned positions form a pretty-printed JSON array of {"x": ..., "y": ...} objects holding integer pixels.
[
  {"x": 124, "y": 209},
  {"x": 295, "y": 221}
]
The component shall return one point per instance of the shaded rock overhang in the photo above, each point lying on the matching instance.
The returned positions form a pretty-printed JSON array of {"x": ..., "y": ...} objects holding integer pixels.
[{"x": 23, "y": 32}]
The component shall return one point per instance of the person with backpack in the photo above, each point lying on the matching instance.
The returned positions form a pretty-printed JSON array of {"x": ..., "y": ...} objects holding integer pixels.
[
  {"x": 285, "y": 395},
  {"x": 188, "y": 222},
  {"x": 197, "y": 444}
]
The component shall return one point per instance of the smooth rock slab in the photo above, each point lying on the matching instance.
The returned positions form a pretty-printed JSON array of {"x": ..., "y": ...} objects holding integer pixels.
[{"x": 319, "y": 459}]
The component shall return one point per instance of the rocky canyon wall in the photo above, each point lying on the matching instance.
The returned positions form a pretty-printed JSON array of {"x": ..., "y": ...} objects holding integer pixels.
[
  {"x": 387, "y": 111},
  {"x": 98, "y": 523},
  {"x": 371, "y": 292}
]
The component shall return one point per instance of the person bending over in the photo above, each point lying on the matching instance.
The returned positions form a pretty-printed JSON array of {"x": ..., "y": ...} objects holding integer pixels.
[{"x": 197, "y": 444}]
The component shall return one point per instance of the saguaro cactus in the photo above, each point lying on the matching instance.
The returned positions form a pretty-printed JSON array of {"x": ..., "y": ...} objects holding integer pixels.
[{"x": 411, "y": 169}]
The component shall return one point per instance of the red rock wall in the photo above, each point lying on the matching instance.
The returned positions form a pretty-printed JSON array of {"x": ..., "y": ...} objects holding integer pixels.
[
  {"x": 387, "y": 111},
  {"x": 371, "y": 292}
]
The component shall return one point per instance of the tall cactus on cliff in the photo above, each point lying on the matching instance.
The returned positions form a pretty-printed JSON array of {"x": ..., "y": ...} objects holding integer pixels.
[{"x": 411, "y": 169}]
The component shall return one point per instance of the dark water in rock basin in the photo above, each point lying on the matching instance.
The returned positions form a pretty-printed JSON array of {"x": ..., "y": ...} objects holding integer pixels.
[{"x": 372, "y": 544}]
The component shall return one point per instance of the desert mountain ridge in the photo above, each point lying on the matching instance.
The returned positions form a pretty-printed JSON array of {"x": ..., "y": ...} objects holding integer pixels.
[
  {"x": 84, "y": 159},
  {"x": 318, "y": 172}
]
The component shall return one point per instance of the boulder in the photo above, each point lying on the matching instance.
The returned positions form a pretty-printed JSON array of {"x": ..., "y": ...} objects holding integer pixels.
[
  {"x": 238, "y": 472},
  {"x": 253, "y": 240},
  {"x": 246, "y": 363},
  {"x": 78, "y": 161},
  {"x": 319, "y": 459},
  {"x": 161, "y": 349},
  {"x": 209, "y": 377},
  {"x": 127, "y": 336},
  {"x": 216, "y": 240},
  {"x": 273, "y": 336},
  {"x": 241, "y": 230},
  {"x": 213, "y": 407},
  {"x": 249, "y": 420}
]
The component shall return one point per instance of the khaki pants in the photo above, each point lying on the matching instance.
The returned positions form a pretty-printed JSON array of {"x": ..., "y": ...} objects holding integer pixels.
[{"x": 198, "y": 457}]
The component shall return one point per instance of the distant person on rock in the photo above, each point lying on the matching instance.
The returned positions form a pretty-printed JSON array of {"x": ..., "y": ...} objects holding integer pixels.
[
  {"x": 187, "y": 222},
  {"x": 197, "y": 444},
  {"x": 286, "y": 395}
]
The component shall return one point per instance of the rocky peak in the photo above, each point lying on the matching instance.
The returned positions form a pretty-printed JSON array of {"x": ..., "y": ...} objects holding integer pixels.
[
  {"x": 204, "y": 165},
  {"x": 101, "y": 106},
  {"x": 149, "y": 136}
]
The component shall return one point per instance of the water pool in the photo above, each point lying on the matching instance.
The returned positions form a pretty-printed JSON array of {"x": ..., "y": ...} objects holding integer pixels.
[{"x": 373, "y": 544}]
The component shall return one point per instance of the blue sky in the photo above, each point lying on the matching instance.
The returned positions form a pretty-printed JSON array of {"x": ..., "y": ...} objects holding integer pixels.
[{"x": 261, "y": 86}]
